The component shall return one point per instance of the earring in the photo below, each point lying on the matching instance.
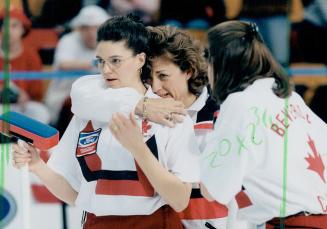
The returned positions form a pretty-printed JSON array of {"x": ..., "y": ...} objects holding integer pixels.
[{"x": 140, "y": 70}]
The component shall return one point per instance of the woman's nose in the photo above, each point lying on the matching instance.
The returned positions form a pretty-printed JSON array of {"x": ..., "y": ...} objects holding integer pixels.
[
  {"x": 156, "y": 84},
  {"x": 106, "y": 68}
]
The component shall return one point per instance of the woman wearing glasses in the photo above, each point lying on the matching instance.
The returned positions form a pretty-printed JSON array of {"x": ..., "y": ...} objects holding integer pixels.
[
  {"x": 121, "y": 177},
  {"x": 179, "y": 72}
]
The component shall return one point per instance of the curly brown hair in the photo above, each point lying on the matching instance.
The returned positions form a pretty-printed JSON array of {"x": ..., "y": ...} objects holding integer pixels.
[{"x": 182, "y": 50}]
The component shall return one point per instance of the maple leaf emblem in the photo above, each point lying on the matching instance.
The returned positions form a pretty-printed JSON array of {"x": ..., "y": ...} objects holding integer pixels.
[
  {"x": 145, "y": 126},
  {"x": 315, "y": 162}
]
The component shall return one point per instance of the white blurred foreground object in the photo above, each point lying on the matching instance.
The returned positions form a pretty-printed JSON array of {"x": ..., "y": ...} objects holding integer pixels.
[{"x": 26, "y": 193}]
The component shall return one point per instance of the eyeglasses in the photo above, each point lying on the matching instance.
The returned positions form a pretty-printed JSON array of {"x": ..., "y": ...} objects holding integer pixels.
[{"x": 112, "y": 62}]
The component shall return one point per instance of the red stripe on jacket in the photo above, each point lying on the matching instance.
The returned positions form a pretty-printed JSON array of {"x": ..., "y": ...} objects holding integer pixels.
[{"x": 200, "y": 208}]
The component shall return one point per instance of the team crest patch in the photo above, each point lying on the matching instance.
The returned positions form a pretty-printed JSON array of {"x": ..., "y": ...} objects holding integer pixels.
[{"x": 87, "y": 143}]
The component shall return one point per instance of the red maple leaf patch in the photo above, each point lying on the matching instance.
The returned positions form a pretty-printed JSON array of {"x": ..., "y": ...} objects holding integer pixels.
[
  {"x": 145, "y": 126},
  {"x": 315, "y": 162}
]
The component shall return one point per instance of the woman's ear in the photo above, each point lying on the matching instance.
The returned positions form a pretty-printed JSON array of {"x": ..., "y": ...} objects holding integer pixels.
[
  {"x": 141, "y": 59},
  {"x": 189, "y": 74}
]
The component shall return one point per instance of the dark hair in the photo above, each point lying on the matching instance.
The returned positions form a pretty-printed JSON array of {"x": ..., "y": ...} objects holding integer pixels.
[
  {"x": 239, "y": 57},
  {"x": 183, "y": 51},
  {"x": 131, "y": 30}
]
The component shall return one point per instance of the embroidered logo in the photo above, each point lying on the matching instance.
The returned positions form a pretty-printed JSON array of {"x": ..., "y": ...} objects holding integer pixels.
[
  {"x": 87, "y": 142},
  {"x": 145, "y": 126}
]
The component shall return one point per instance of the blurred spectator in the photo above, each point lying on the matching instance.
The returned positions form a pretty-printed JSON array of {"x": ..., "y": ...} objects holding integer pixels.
[
  {"x": 271, "y": 16},
  {"x": 196, "y": 14},
  {"x": 146, "y": 9},
  {"x": 312, "y": 33},
  {"x": 21, "y": 58},
  {"x": 75, "y": 51}
]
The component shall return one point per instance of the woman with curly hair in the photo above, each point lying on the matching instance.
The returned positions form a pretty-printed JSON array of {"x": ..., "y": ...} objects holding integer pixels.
[{"x": 179, "y": 71}]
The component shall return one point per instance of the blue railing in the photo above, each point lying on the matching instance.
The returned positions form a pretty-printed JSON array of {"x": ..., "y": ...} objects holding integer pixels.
[
  {"x": 46, "y": 74},
  {"x": 317, "y": 71}
]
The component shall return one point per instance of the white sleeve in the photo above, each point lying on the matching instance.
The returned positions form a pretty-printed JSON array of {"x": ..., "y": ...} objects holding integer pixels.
[
  {"x": 92, "y": 100},
  {"x": 63, "y": 160},
  {"x": 232, "y": 151},
  {"x": 183, "y": 152}
]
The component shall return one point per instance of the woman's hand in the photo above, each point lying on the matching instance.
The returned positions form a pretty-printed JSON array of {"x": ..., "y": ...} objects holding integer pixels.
[
  {"x": 126, "y": 131},
  {"x": 23, "y": 154},
  {"x": 165, "y": 111},
  {"x": 175, "y": 192}
]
